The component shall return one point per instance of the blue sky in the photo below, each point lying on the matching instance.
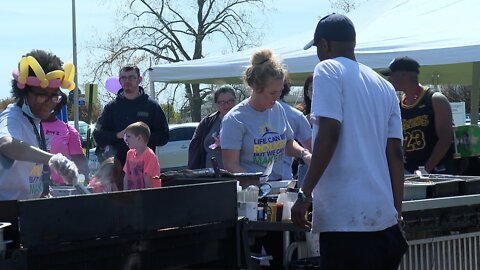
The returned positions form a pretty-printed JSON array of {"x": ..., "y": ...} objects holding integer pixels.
[{"x": 33, "y": 24}]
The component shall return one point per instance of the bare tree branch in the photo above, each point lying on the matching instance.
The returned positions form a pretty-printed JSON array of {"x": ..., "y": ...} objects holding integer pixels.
[{"x": 168, "y": 31}]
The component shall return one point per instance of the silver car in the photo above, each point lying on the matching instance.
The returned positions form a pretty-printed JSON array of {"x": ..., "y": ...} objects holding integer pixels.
[{"x": 174, "y": 154}]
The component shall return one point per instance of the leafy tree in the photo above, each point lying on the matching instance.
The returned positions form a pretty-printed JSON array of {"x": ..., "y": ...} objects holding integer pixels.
[
  {"x": 458, "y": 93},
  {"x": 168, "y": 31},
  {"x": 83, "y": 110},
  {"x": 170, "y": 113}
]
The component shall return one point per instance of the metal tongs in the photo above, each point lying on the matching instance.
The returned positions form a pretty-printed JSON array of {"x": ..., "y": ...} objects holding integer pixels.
[
  {"x": 267, "y": 172},
  {"x": 265, "y": 187},
  {"x": 80, "y": 187}
]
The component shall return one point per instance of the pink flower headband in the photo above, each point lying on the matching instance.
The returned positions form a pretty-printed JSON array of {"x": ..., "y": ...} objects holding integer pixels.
[{"x": 53, "y": 79}]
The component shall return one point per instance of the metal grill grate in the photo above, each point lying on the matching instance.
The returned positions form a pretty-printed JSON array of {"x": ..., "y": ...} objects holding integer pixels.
[{"x": 453, "y": 252}]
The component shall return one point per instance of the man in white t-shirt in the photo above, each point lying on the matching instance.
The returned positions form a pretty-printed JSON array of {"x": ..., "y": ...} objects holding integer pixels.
[{"x": 356, "y": 175}]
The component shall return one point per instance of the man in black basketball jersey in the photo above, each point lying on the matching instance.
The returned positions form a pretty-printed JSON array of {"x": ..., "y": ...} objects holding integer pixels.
[{"x": 426, "y": 119}]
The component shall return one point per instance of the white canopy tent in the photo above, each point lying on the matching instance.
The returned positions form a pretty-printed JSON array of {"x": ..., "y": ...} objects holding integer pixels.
[{"x": 442, "y": 35}]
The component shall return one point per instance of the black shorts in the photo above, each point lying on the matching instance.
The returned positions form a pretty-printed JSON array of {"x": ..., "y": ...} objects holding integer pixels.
[{"x": 382, "y": 250}]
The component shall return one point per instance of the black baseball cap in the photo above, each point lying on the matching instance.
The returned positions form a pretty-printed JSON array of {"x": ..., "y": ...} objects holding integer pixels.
[
  {"x": 402, "y": 64},
  {"x": 333, "y": 27}
]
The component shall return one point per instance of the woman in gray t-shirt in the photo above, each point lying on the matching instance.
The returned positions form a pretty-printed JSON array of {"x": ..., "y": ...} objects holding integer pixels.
[{"x": 256, "y": 131}]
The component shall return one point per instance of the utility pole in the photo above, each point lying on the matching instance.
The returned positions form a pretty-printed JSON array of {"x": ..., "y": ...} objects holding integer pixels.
[{"x": 74, "y": 41}]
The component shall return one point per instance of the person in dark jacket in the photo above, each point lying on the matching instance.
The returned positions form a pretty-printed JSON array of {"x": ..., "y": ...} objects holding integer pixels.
[
  {"x": 131, "y": 105},
  {"x": 206, "y": 139}
]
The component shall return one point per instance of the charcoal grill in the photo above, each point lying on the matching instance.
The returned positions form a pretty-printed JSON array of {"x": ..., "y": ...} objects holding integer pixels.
[{"x": 179, "y": 226}]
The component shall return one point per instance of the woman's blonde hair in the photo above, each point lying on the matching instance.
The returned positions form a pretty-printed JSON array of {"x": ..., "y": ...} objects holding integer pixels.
[{"x": 264, "y": 65}]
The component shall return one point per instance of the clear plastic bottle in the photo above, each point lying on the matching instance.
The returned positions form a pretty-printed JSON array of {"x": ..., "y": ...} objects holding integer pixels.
[
  {"x": 252, "y": 194},
  {"x": 93, "y": 164},
  {"x": 292, "y": 194}
]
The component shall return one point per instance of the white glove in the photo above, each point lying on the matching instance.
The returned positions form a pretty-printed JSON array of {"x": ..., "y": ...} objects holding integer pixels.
[{"x": 64, "y": 168}]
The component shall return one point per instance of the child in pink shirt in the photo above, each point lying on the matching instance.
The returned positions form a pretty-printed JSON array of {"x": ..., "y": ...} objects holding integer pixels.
[
  {"x": 107, "y": 176},
  {"x": 61, "y": 137},
  {"x": 141, "y": 164}
]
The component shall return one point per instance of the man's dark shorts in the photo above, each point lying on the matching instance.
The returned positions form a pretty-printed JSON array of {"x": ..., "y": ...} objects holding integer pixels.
[{"x": 382, "y": 250}]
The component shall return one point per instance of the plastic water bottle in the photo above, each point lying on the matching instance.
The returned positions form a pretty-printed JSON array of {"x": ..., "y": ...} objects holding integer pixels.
[
  {"x": 285, "y": 199},
  {"x": 92, "y": 165}
]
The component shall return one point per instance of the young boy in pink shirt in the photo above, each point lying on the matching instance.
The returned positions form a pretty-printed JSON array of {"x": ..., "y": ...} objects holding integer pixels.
[{"x": 141, "y": 164}]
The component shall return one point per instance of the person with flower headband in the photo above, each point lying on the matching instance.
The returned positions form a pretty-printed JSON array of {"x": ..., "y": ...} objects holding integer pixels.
[{"x": 24, "y": 162}]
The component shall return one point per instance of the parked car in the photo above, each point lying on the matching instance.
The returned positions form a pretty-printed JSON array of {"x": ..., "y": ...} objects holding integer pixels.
[
  {"x": 83, "y": 129},
  {"x": 468, "y": 120},
  {"x": 174, "y": 154}
]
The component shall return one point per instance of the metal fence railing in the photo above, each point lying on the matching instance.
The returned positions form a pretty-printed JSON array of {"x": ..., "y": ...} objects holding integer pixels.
[{"x": 452, "y": 252}]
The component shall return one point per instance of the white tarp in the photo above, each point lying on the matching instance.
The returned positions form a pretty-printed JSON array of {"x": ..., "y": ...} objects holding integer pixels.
[{"x": 434, "y": 32}]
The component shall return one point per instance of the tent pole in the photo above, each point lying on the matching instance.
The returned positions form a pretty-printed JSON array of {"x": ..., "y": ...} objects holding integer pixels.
[
  {"x": 152, "y": 84},
  {"x": 475, "y": 93}
]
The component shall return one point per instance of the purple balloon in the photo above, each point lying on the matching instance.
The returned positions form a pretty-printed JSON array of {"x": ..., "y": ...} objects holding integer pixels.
[{"x": 113, "y": 85}]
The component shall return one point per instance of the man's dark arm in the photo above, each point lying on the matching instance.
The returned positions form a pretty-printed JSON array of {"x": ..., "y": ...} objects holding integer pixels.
[
  {"x": 443, "y": 129},
  {"x": 325, "y": 145},
  {"x": 395, "y": 168}
]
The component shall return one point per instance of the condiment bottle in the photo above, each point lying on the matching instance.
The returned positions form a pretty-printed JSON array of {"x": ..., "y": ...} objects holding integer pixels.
[
  {"x": 272, "y": 204},
  {"x": 260, "y": 212},
  {"x": 279, "y": 212},
  {"x": 284, "y": 205}
]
